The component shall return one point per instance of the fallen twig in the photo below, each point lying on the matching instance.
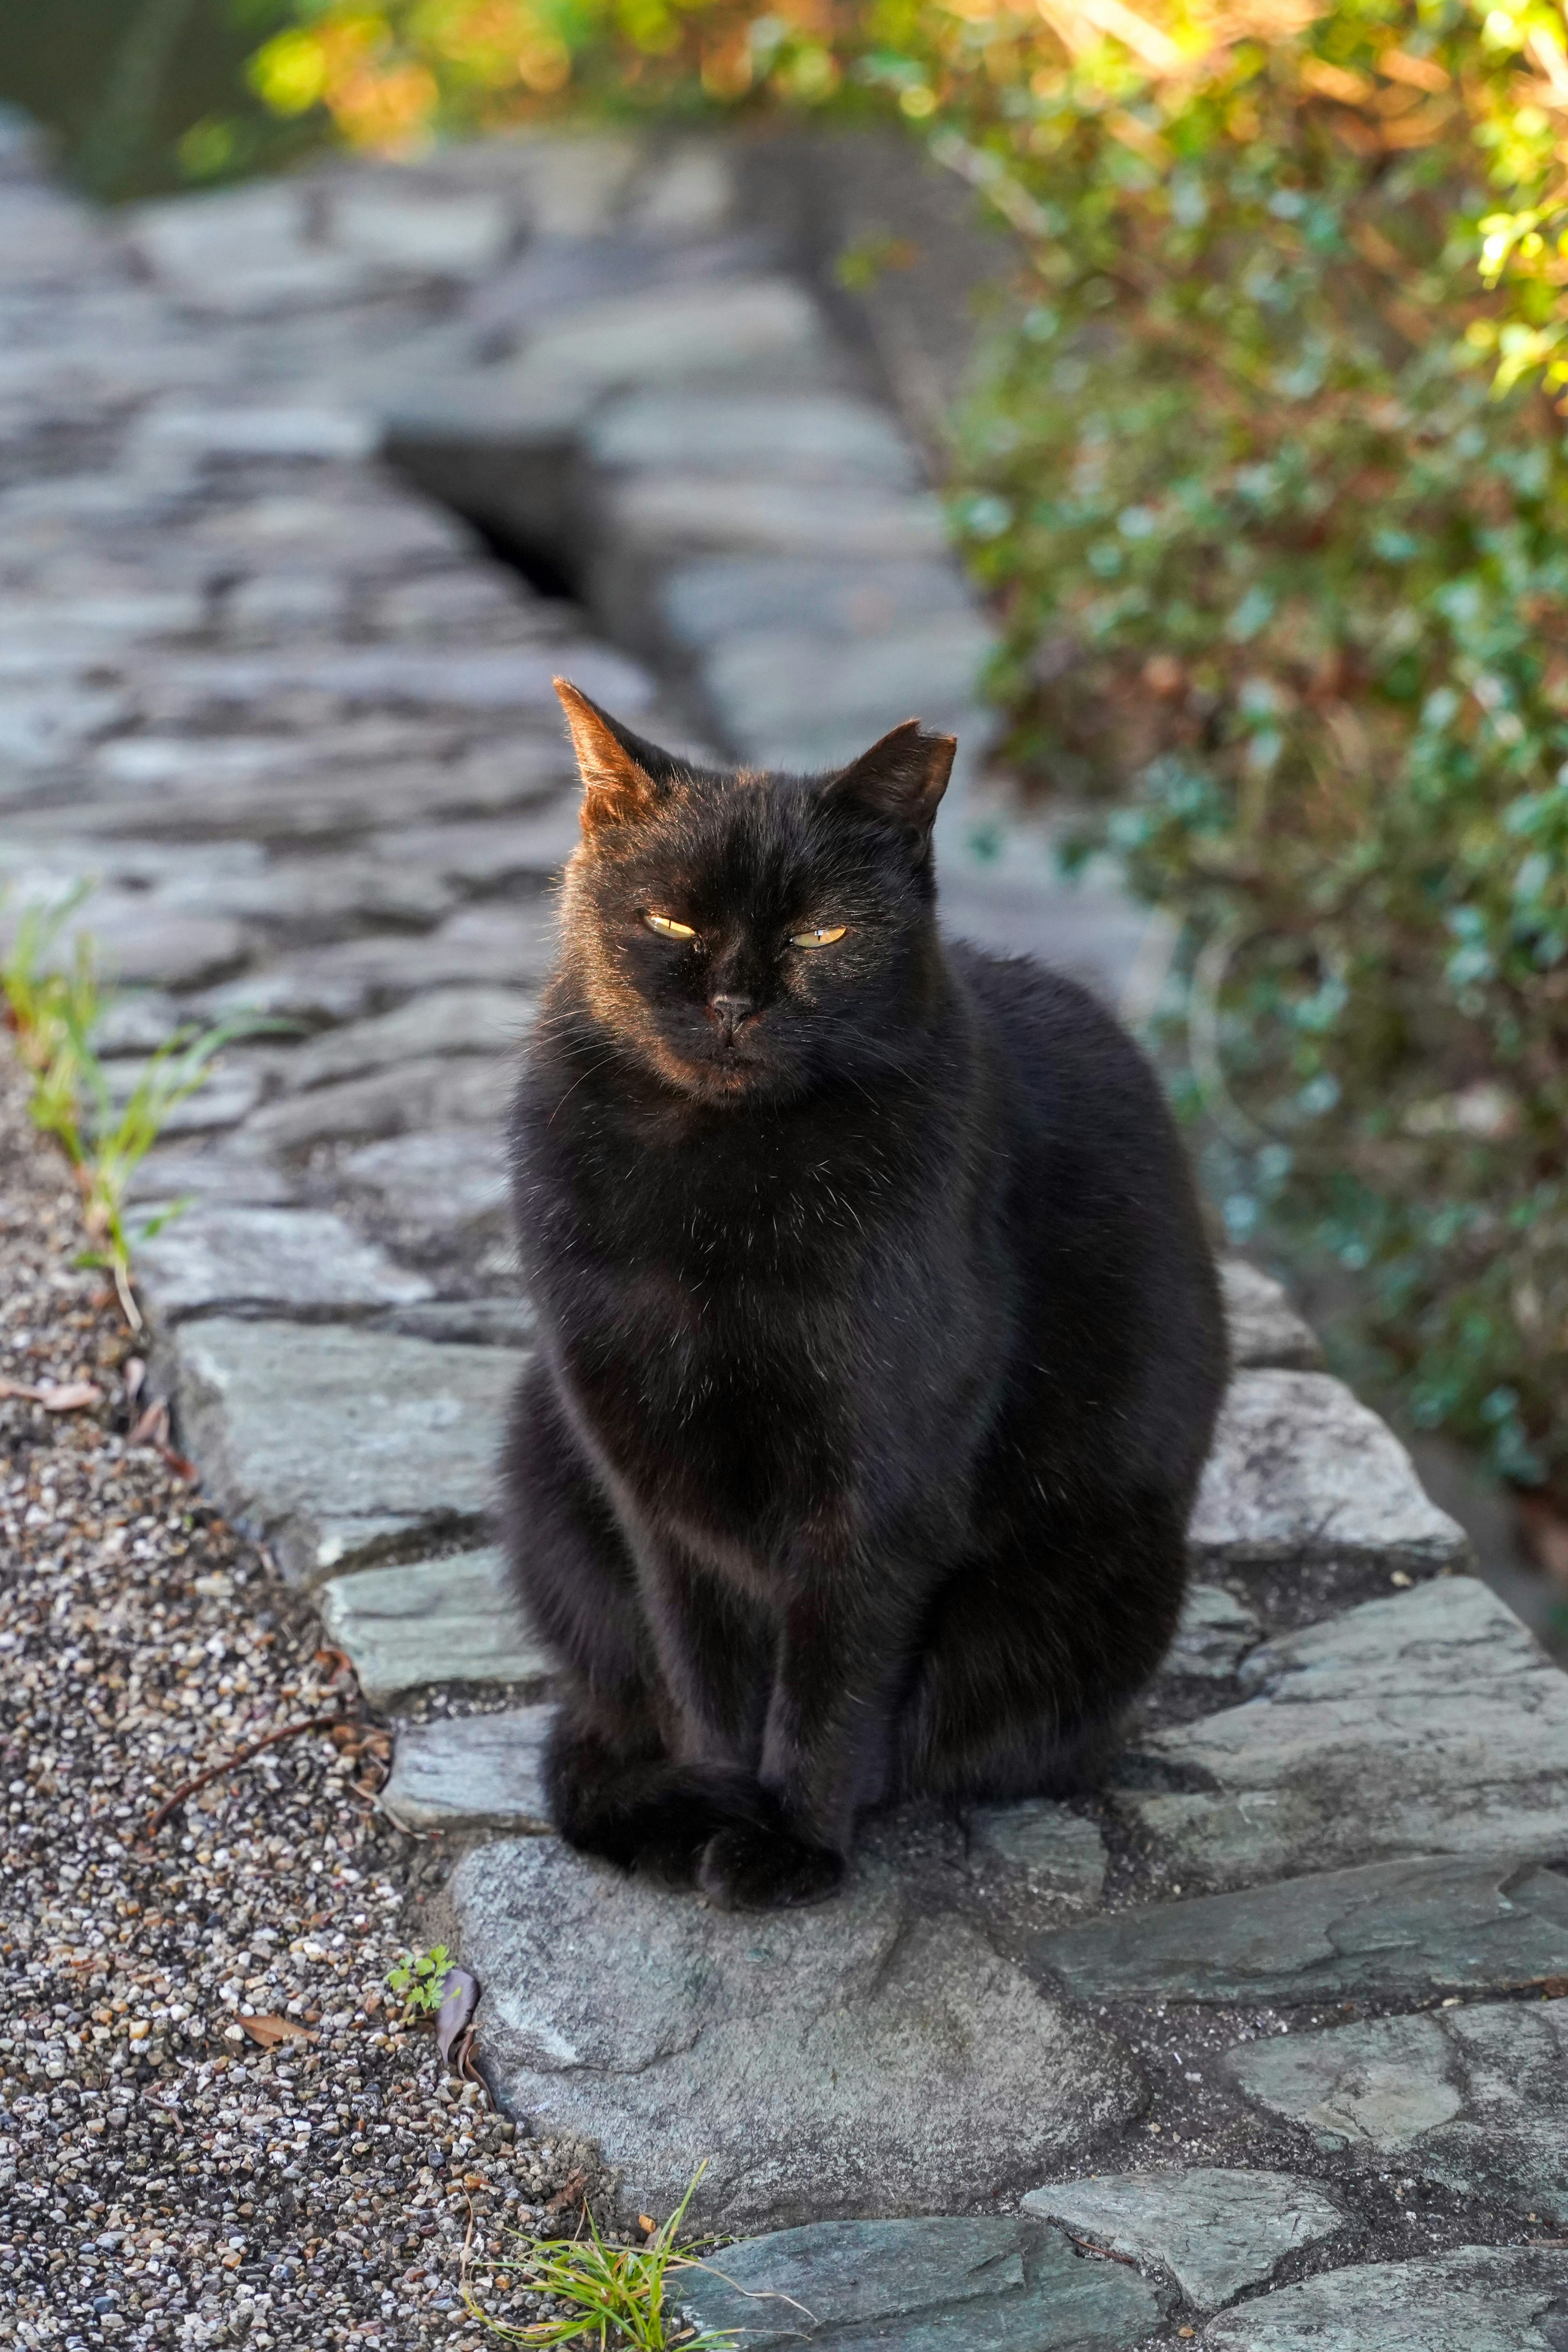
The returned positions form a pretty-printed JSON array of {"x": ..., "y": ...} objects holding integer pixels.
[{"x": 241, "y": 1756}]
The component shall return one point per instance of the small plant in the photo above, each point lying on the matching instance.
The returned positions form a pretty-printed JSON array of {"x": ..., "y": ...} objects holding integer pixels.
[
  {"x": 615, "y": 2294},
  {"x": 53, "y": 1011},
  {"x": 419, "y": 1979}
]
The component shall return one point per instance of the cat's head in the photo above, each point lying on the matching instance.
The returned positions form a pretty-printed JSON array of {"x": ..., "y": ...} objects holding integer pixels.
[{"x": 750, "y": 937}]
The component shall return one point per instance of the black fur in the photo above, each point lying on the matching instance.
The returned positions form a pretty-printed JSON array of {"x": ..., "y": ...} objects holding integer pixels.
[{"x": 880, "y": 1345}]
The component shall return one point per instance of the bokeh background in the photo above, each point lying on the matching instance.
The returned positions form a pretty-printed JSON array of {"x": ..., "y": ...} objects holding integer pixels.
[{"x": 1258, "y": 452}]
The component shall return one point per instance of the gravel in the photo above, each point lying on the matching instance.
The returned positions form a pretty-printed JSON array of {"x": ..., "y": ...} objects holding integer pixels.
[{"x": 164, "y": 2180}]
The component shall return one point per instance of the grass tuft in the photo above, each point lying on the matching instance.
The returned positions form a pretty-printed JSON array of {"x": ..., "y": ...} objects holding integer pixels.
[
  {"x": 614, "y": 2295},
  {"x": 52, "y": 1010}
]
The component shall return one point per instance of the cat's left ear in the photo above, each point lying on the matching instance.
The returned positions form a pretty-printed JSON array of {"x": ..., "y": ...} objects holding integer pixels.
[
  {"x": 623, "y": 777},
  {"x": 901, "y": 779}
]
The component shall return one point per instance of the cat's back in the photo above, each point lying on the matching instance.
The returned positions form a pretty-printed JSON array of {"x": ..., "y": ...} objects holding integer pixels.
[{"x": 1115, "y": 1273}]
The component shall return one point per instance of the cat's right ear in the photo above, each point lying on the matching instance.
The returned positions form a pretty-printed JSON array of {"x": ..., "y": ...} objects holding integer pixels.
[
  {"x": 617, "y": 786},
  {"x": 901, "y": 779}
]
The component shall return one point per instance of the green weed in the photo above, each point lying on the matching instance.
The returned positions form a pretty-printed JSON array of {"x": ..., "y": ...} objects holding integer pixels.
[
  {"x": 52, "y": 1010},
  {"x": 615, "y": 2294},
  {"x": 419, "y": 1979}
]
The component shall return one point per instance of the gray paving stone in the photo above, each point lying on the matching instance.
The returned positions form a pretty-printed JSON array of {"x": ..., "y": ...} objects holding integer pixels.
[
  {"x": 244, "y": 251},
  {"x": 1476, "y": 2099},
  {"x": 1264, "y": 1328},
  {"x": 897, "y": 2060},
  {"x": 943, "y": 2285},
  {"x": 152, "y": 945},
  {"x": 1427, "y": 1723},
  {"x": 1477, "y": 2299},
  {"x": 223, "y": 1172},
  {"x": 482, "y": 679},
  {"x": 471, "y": 1322},
  {"x": 509, "y": 945},
  {"x": 709, "y": 599},
  {"x": 446, "y": 1180},
  {"x": 1387, "y": 1929},
  {"x": 778, "y": 684},
  {"x": 683, "y": 513},
  {"x": 230, "y": 1089},
  {"x": 649, "y": 337},
  {"x": 336, "y": 1444},
  {"x": 1214, "y": 1633},
  {"x": 443, "y": 1021},
  {"x": 415, "y": 227},
  {"x": 1300, "y": 1470},
  {"x": 467, "y": 1089},
  {"x": 802, "y": 437},
  {"x": 305, "y": 1264},
  {"x": 1057, "y": 1851},
  {"x": 228, "y": 429},
  {"x": 489, "y": 852},
  {"x": 471, "y": 1772},
  {"x": 451, "y": 1619},
  {"x": 1216, "y": 2231}
]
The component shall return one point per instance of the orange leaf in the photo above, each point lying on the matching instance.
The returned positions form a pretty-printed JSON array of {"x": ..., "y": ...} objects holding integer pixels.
[{"x": 269, "y": 2030}]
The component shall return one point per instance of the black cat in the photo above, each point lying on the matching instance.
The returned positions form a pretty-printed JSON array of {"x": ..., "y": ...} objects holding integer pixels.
[{"x": 881, "y": 1344}]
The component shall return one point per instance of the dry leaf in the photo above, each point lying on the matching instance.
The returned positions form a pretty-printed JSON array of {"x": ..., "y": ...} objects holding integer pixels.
[
  {"x": 460, "y": 1994},
  {"x": 269, "y": 2030},
  {"x": 152, "y": 1428}
]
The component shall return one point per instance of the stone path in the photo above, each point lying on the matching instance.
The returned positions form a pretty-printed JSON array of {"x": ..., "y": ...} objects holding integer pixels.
[{"x": 1189, "y": 2048}]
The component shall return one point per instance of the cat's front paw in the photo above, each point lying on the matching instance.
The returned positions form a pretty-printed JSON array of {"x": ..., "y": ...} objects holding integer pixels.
[{"x": 749, "y": 1868}]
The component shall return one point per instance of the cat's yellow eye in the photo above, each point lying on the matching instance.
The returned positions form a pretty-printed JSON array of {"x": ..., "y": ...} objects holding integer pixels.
[
  {"x": 823, "y": 939},
  {"x": 668, "y": 928}
]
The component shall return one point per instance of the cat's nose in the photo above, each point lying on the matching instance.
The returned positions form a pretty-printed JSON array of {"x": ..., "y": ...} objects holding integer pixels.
[{"x": 730, "y": 1011}]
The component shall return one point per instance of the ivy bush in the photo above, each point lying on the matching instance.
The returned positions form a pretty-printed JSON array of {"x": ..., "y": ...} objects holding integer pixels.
[{"x": 1269, "y": 483}]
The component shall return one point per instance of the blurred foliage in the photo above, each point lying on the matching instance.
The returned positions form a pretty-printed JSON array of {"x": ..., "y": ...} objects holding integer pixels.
[
  {"x": 1271, "y": 485},
  {"x": 147, "y": 96}
]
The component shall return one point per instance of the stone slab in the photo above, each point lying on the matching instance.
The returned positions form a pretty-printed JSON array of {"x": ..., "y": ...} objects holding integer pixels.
[
  {"x": 1477, "y": 2299},
  {"x": 1389, "y": 1929},
  {"x": 439, "y": 1090},
  {"x": 1214, "y": 1634},
  {"x": 334, "y": 1444},
  {"x": 440, "y": 1180},
  {"x": 443, "y": 1021},
  {"x": 1217, "y": 2231},
  {"x": 946, "y": 2286},
  {"x": 1473, "y": 2098},
  {"x": 808, "y": 436},
  {"x": 792, "y": 683},
  {"x": 452, "y": 1620},
  {"x": 712, "y": 598},
  {"x": 1429, "y": 1723},
  {"x": 303, "y": 1263},
  {"x": 868, "y": 2056},
  {"x": 1301, "y": 1470},
  {"x": 471, "y": 1772},
  {"x": 673, "y": 514},
  {"x": 506, "y": 946},
  {"x": 472, "y": 1322},
  {"x": 1264, "y": 1328},
  {"x": 1057, "y": 1851},
  {"x": 672, "y": 332}
]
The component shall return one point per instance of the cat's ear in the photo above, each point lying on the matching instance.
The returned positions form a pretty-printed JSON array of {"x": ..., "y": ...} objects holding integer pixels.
[
  {"x": 622, "y": 778},
  {"x": 901, "y": 779}
]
